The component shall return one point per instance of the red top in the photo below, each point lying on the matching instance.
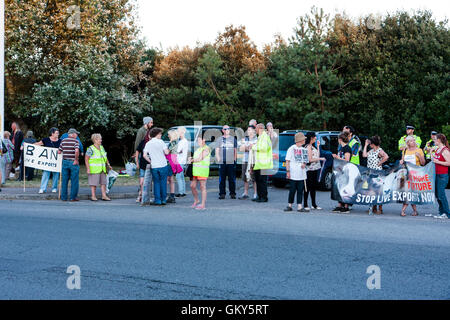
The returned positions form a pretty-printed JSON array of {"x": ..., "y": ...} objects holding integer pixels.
[{"x": 440, "y": 169}]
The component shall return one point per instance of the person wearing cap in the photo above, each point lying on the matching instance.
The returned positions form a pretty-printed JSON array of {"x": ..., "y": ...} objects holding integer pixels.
[
  {"x": 354, "y": 143},
  {"x": 263, "y": 162},
  {"x": 29, "y": 172},
  {"x": 70, "y": 150},
  {"x": 409, "y": 132},
  {"x": 296, "y": 160},
  {"x": 66, "y": 135},
  {"x": 52, "y": 141},
  {"x": 430, "y": 147},
  {"x": 148, "y": 123}
]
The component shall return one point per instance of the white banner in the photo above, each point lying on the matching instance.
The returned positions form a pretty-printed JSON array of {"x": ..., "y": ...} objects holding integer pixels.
[{"x": 42, "y": 158}]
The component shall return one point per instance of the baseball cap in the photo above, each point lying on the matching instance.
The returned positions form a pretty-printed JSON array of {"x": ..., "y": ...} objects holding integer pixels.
[
  {"x": 433, "y": 133},
  {"x": 72, "y": 130},
  {"x": 410, "y": 127}
]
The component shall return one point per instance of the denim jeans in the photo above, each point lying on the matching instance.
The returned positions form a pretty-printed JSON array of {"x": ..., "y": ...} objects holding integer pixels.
[
  {"x": 159, "y": 176},
  {"x": 441, "y": 183},
  {"x": 46, "y": 177},
  {"x": 3, "y": 168},
  {"x": 181, "y": 182},
  {"x": 147, "y": 186},
  {"x": 70, "y": 171},
  {"x": 227, "y": 170}
]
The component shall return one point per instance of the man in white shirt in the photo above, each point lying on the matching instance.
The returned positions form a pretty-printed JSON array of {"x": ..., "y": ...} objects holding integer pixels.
[
  {"x": 155, "y": 152},
  {"x": 183, "y": 153}
]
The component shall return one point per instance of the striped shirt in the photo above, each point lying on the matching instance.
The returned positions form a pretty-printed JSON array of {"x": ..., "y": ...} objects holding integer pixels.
[
  {"x": 9, "y": 155},
  {"x": 68, "y": 147}
]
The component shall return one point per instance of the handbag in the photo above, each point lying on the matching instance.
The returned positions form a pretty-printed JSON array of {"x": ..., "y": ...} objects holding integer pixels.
[{"x": 4, "y": 149}]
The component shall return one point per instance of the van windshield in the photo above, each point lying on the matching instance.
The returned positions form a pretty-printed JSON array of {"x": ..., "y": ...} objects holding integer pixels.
[{"x": 286, "y": 140}]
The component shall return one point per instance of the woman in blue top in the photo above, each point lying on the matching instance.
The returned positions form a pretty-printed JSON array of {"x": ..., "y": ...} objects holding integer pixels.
[{"x": 52, "y": 141}]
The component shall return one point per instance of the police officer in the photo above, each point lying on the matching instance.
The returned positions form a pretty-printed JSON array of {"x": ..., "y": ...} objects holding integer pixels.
[
  {"x": 409, "y": 132},
  {"x": 430, "y": 147}
]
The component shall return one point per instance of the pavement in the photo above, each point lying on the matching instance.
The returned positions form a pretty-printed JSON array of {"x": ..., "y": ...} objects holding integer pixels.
[{"x": 236, "y": 249}]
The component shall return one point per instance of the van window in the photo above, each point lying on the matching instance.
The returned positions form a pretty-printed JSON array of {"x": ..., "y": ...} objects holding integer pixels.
[
  {"x": 334, "y": 144},
  {"x": 286, "y": 141},
  {"x": 325, "y": 143}
]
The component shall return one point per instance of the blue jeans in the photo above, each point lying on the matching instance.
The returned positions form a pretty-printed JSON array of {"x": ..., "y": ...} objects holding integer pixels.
[
  {"x": 159, "y": 176},
  {"x": 227, "y": 170},
  {"x": 181, "y": 182},
  {"x": 70, "y": 171},
  {"x": 3, "y": 168},
  {"x": 46, "y": 177},
  {"x": 441, "y": 183},
  {"x": 147, "y": 186}
]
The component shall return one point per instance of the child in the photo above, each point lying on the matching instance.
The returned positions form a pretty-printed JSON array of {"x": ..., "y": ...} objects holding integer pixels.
[{"x": 296, "y": 159}]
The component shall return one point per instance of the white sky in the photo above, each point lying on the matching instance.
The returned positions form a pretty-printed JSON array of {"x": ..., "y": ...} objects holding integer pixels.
[{"x": 171, "y": 23}]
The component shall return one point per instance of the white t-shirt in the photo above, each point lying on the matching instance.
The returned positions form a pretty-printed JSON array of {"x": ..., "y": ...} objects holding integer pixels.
[
  {"x": 297, "y": 156},
  {"x": 155, "y": 151},
  {"x": 183, "y": 149}
]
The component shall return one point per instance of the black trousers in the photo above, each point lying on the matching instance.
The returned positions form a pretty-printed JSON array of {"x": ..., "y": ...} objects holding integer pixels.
[
  {"x": 227, "y": 170},
  {"x": 311, "y": 187},
  {"x": 296, "y": 186},
  {"x": 261, "y": 184}
]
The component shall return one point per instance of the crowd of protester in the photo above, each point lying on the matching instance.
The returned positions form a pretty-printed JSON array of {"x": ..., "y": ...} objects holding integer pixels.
[{"x": 162, "y": 168}]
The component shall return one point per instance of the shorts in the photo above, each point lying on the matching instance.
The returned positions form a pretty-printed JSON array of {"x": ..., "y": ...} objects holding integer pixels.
[
  {"x": 97, "y": 179},
  {"x": 141, "y": 173},
  {"x": 169, "y": 170},
  {"x": 200, "y": 178},
  {"x": 244, "y": 176}
]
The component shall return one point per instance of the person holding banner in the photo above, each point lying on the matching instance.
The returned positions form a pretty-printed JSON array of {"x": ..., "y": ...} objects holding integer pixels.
[
  {"x": 96, "y": 161},
  {"x": 414, "y": 155},
  {"x": 441, "y": 158},
  {"x": 344, "y": 153},
  {"x": 53, "y": 141},
  {"x": 375, "y": 159},
  {"x": 296, "y": 160}
]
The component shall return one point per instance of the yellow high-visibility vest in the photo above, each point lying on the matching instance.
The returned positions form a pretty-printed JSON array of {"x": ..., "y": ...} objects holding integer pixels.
[
  {"x": 201, "y": 168},
  {"x": 264, "y": 158},
  {"x": 97, "y": 162}
]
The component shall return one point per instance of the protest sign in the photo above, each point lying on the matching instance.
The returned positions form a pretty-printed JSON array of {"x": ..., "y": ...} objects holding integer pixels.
[
  {"x": 42, "y": 158},
  {"x": 406, "y": 183}
]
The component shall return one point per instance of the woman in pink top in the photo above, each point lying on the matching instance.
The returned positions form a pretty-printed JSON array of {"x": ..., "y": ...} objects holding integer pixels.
[{"x": 442, "y": 161}]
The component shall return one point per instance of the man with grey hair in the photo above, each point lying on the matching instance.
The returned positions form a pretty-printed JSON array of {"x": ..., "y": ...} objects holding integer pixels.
[
  {"x": 148, "y": 123},
  {"x": 252, "y": 123}
]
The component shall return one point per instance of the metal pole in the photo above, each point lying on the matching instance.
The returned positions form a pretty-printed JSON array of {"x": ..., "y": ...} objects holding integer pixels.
[{"x": 2, "y": 67}]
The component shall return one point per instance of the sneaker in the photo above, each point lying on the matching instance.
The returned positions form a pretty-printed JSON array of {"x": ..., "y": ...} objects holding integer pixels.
[
  {"x": 41, "y": 191},
  {"x": 183, "y": 195},
  {"x": 178, "y": 195},
  {"x": 307, "y": 209},
  {"x": 302, "y": 210},
  {"x": 345, "y": 210},
  {"x": 442, "y": 216},
  {"x": 287, "y": 209},
  {"x": 244, "y": 197},
  {"x": 337, "y": 209},
  {"x": 54, "y": 190},
  {"x": 255, "y": 199},
  {"x": 221, "y": 197},
  {"x": 317, "y": 208},
  {"x": 171, "y": 200}
]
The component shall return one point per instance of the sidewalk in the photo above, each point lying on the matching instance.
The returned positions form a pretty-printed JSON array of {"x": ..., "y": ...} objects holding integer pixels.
[{"x": 117, "y": 192}]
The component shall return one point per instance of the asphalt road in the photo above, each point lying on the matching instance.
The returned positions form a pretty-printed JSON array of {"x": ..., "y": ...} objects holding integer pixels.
[{"x": 234, "y": 250}]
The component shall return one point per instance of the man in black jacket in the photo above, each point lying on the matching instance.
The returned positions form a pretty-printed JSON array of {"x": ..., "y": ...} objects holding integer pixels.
[{"x": 17, "y": 139}]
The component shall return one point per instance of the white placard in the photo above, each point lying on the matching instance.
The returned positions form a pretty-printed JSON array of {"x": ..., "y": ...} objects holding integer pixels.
[{"x": 42, "y": 158}]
